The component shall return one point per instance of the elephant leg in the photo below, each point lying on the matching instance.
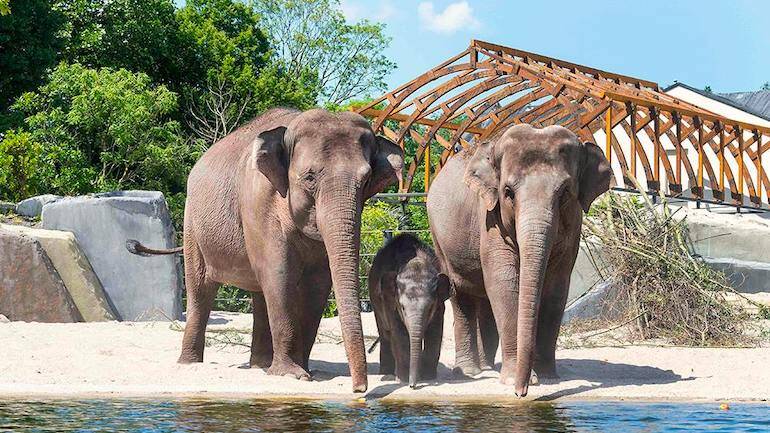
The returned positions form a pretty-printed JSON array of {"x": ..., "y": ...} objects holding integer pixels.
[
  {"x": 555, "y": 292},
  {"x": 466, "y": 341},
  {"x": 400, "y": 346},
  {"x": 431, "y": 347},
  {"x": 317, "y": 286},
  {"x": 387, "y": 361},
  {"x": 261, "y": 340},
  {"x": 281, "y": 290},
  {"x": 500, "y": 268},
  {"x": 200, "y": 299},
  {"x": 488, "y": 337}
]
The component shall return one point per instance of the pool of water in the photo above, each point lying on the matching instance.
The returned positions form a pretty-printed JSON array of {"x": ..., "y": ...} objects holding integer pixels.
[{"x": 151, "y": 416}]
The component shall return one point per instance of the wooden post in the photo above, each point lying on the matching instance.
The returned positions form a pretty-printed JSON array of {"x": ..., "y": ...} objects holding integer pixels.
[
  {"x": 758, "y": 137},
  {"x": 656, "y": 143},
  {"x": 739, "y": 133},
  {"x": 699, "y": 125},
  {"x": 608, "y": 133},
  {"x": 721, "y": 156},
  {"x": 678, "y": 144},
  {"x": 427, "y": 165},
  {"x": 631, "y": 109}
]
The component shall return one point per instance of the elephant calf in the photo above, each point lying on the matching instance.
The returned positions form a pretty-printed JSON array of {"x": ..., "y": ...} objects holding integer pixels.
[{"x": 408, "y": 295}]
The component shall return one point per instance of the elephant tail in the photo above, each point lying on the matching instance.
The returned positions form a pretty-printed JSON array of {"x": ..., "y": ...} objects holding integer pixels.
[
  {"x": 371, "y": 348},
  {"x": 134, "y": 247}
]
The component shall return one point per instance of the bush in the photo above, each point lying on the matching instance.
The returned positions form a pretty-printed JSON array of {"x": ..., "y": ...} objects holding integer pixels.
[
  {"x": 103, "y": 130},
  {"x": 663, "y": 288},
  {"x": 18, "y": 165}
]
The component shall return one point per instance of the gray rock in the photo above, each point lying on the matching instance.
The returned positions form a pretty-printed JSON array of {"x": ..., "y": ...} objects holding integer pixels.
[
  {"x": 584, "y": 275},
  {"x": 591, "y": 305},
  {"x": 30, "y": 287},
  {"x": 744, "y": 275},
  {"x": 6, "y": 206},
  {"x": 33, "y": 206},
  {"x": 140, "y": 288}
]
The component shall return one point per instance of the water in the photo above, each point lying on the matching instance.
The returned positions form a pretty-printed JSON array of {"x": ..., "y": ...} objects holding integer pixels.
[{"x": 153, "y": 416}]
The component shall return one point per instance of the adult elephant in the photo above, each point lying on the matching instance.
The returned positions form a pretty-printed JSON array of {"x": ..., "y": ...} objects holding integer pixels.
[
  {"x": 505, "y": 217},
  {"x": 275, "y": 208}
]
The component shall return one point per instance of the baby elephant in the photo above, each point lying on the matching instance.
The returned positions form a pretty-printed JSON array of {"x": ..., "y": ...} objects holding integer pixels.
[{"x": 408, "y": 295}]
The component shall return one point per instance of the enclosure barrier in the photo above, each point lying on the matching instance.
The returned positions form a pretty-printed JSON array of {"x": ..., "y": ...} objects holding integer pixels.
[{"x": 673, "y": 147}]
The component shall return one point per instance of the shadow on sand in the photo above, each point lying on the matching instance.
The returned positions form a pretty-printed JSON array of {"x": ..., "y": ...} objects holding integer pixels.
[
  {"x": 604, "y": 374},
  {"x": 601, "y": 374}
]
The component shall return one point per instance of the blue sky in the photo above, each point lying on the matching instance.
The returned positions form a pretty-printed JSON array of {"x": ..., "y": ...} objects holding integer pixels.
[{"x": 724, "y": 44}]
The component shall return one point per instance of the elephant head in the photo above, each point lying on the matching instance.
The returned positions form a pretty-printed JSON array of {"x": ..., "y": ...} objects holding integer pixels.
[
  {"x": 326, "y": 165},
  {"x": 534, "y": 181},
  {"x": 419, "y": 291}
]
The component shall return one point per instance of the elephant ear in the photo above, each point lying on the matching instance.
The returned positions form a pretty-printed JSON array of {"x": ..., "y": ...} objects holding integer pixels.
[
  {"x": 594, "y": 176},
  {"x": 270, "y": 158},
  {"x": 442, "y": 287},
  {"x": 481, "y": 175},
  {"x": 387, "y": 164},
  {"x": 388, "y": 290}
]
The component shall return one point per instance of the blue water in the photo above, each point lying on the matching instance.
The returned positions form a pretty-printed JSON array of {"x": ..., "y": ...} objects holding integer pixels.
[{"x": 152, "y": 416}]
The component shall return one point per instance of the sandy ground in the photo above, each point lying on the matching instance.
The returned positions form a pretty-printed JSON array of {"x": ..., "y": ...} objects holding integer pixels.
[{"x": 138, "y": 360}]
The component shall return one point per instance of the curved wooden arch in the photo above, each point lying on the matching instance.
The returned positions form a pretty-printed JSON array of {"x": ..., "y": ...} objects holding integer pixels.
[{"x": 498, "y": 86}]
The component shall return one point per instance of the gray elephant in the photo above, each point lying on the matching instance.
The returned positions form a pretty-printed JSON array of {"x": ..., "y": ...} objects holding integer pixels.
[
  {"x": 275, "y": 208},
  {"x": 408, "y": 294},
  {"x": 505, "y": 217}
]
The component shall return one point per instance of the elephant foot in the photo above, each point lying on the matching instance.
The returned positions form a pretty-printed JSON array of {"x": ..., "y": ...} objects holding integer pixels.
[
  {"x": 187, "y": 358},
  {"x": 389, "y": 378},
  {"x": 547, "y": 371},
  {"x": 261, "y": 361},
  {"x": 487, "y": 366},
  {"x": 465, "y": 371},
  {"x": 288, "y": 369}
]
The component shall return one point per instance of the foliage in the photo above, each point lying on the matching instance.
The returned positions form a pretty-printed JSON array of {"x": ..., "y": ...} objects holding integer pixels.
[
  {"x": 231, "y": 298},
  {"x": 104, "y": 130},
  {"x": 5, "y": 7},
  {"x": 663, "y": 288},
  {"x": 18, "y": 164},
  {"x": 313, "y": 35},
  {"x": 29, "y": 42},
  {"x": 766, "y": 86},
  {"x": 239, "y": 80},
  {"x": 137, "y": 35}
]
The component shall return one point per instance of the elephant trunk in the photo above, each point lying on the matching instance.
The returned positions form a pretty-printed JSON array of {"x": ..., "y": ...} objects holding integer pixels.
[
  {"x": 416, "y": 334},
  {"x": 340, "y": 228},
  {"x": 534, "y": 235}
]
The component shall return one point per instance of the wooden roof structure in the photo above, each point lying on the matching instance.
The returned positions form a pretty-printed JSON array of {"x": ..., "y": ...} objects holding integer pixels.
[{"x": 673, "y": 147}]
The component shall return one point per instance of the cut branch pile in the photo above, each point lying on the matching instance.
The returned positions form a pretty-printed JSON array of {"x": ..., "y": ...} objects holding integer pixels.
[{"x": 661, "y": 288}]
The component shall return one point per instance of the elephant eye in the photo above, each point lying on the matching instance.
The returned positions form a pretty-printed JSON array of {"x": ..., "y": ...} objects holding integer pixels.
[
  {"x": 508, "y": 193},
  {"x": 308, "y": 180}
]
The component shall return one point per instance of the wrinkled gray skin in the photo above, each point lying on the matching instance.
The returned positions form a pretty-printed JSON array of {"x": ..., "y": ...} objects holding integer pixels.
[
  {"x": 521, "y": 198},
  {"x": 408, "y": 295},
  {"x": 275, "y": 208}
]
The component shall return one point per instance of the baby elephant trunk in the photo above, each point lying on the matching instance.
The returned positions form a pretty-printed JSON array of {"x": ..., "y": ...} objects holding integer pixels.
[{"x": 416, "y": 334}]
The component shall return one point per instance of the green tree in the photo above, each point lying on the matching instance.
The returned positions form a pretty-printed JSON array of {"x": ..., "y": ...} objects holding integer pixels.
[
  {"x": 313, "y": 35},
  {"x": 29, "y": 43},
  {"x": 5, "y": 7},
  {"x": 766, "y": 86},
  {"x": 18, "y": 164},
  {"x": 138, "y": 35},
  {"x": 104, "y": 130},
  {"x": 241, "y": 80}
]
